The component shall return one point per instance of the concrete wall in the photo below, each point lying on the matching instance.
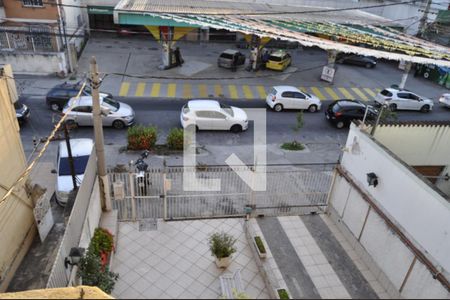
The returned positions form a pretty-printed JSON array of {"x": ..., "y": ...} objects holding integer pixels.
[
  {"x": 16, "y": 9},
  {"x": 35, "y": 63},
  {"x": 419, "y": 146},
  {"x": 421, "y": 213},
  {"x": 17, "y": 228}
]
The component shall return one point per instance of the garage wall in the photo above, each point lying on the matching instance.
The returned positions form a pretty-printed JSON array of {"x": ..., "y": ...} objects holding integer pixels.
[{"x": 34, "y": 63}]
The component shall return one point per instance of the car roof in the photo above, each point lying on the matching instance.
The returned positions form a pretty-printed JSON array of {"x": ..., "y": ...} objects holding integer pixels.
[
  {"x": 230, "y": 51},
  {"x": 278, "y": 53},
  {"x": 67, "y": 85},
  {"x": 202, "y": 104},
  {"x": 284, "y": 88},
  {"x": 83, "y": 100},
  {"x": 349, "y": 102},
  {"x": 79, "y": 147}
]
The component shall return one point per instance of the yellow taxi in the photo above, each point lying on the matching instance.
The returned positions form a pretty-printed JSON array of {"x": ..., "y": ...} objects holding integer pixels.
[{"x": 278, "y": 60}]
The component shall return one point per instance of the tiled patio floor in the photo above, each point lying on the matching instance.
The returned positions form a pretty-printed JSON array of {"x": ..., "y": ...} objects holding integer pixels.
[{"x": 174, "y": 261}]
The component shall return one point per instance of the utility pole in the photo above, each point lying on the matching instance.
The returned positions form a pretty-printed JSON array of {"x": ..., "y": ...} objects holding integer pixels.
[
  {"x": 423, "y": 20},
  {"x": 105, "y": 197},
  {"x": 69, "y": 154}
]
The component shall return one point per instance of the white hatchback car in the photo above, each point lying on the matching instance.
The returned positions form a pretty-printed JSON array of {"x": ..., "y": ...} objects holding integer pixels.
[
  {"x": 445, "y": 100},
  {"x": 213, "y": 115},
  {"x": 289, "y": 97},
  {"x": 81, "y": 151},
  {"x": 403, "y": 100}
]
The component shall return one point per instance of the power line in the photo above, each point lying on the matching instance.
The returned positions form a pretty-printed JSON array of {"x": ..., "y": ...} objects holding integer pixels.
[{"x": 44, "y": 148}]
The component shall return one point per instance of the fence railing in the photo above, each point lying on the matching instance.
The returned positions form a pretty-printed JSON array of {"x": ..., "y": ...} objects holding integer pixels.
[
  {"x": 159, "y": 193},
  {"x": 60, "y": 276},
  {"x": 35, "y": 38}
]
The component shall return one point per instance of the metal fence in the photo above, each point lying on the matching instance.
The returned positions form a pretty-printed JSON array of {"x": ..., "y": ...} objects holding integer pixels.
[
  {"x": 60, "y": 275},
  {"x": 36, "y": 38},
  {"x": 291, "y": 190}
]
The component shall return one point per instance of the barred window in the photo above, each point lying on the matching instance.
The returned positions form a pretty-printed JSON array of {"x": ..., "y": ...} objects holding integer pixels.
[{"x": 32, "y": 2}]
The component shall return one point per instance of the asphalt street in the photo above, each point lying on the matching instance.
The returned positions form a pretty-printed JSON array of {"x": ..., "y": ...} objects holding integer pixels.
[{"x": 164, "y": 114}]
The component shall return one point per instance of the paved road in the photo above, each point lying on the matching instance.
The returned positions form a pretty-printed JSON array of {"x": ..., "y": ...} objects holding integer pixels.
[{"x": 165, "y": 115}]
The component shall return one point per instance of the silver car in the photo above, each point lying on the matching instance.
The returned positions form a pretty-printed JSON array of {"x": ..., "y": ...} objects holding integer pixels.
[{"x": 114, "y": 113}]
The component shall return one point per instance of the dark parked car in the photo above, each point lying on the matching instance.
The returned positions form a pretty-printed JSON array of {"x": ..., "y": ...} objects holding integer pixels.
[
  {"x": 58, "y": 96},
  {"x": 22, "y": 112},
  {"x": 359, "y": 60},
  {"x": 341, "y": 112}
]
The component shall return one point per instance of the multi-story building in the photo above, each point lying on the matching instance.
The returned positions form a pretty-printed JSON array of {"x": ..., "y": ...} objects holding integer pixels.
[{"x": 42, "y": 36}]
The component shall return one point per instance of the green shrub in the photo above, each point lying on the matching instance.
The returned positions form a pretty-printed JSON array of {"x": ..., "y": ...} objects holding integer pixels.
[
  {"x": 260, "y": 244},
  {"x": 175, "y": 139},
  {"x": 283, "y": 294},
  {"x": 293, "y": 146},
  {"x": 142, "y": 137},
  {"x": 102, "y": 241},
  {"x": 222, "y": 245},
  {"x": 94, "y": 274}
]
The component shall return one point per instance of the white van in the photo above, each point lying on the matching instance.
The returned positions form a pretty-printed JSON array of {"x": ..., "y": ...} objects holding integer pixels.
[{"x": 81, "y": 151}]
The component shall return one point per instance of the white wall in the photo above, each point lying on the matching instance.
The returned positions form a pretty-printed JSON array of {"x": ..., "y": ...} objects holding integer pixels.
[
  {"x": 421, "y": 211},
  {"x": 34, "y": 63},
  {"x": 74, "y": 29}
]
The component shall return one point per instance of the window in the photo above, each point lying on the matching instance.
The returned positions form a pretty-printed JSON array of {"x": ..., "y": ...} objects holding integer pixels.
[
  {"x": 403, "y": 95},
  {"x": 226, "y": 55},
  {"x": 275, "y": 58},
  {"x": 83, "y": 109},
  {"x": 32, "y": 2},
  {"x": 112, "y": 104},
  {"x": 79, "y": 162},
  {"x": 204, "y": 114},
  {"x": 287, "y": 95},
  {"x": 217, "y": 115},
  {"x": 299, "y": 95},
  {"x": 386, "y": 93},
  {"x": 59, "y": 93}
]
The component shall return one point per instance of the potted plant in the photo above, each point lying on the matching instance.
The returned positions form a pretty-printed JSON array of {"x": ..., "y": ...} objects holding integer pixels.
[
  {"x": 222, "y": 247},
  {"x": 260, "y": 246},
  {"x": 283, "y": 294}
]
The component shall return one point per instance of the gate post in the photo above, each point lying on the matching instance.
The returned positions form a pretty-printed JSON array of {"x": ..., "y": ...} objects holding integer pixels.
[
  {"x": 164, "y": 195},
  {"x": 132, "y": 192}
]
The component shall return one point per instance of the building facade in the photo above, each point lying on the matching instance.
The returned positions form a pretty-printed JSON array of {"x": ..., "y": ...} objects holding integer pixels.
[
  {"x": 17, "y": 226},
  {"x": 42, "y": 37}
]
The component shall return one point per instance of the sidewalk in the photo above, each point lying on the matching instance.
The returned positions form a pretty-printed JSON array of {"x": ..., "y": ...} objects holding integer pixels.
[{"x": 131, "y": 68}]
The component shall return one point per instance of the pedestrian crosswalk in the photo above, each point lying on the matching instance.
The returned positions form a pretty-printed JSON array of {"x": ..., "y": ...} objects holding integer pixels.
[{"x": 234, "y": 91}]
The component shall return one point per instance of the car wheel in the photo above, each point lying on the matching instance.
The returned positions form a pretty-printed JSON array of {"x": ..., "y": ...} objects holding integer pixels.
[
  {"x": 340, "y": 124},
  {"x": 393, "y": 107},
  {"x": 71, "y": 124},
  {"x": 118, "y": 124},
  {"x": 55, "y": 107},
  {"x": 312, "y": 108},
  {"x": 369, "y": 66},
  {"x": 426, "y": 75},
  {"x": 278, "y": 107},
  {"x": 236, "y": 128},
  {"x": 425, "y": 109}
]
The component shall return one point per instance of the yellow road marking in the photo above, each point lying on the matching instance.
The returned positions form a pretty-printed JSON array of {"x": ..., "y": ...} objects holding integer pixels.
[
  {"x": 140, "y": 89},
  {"x": 248, "y": 94},
  {"x": 203, "y": 90},
  {"x": 370, "y": 92},
  {"x": 233, "y": 91},
  {"x": 171, "y": 90},
  {"x": 218, "y": 92},
  {"x": 124, "y": 88},
  {"x": 318, "y": 93},
  {"x": 261, "y": 91},
  {"x": 360, "y": 94},
  {"x": 156, "y": 87},
  {"x": 187, "y": 91},
  {"x": 346, "y": 93},
  {"x": 330, "y": 92}
]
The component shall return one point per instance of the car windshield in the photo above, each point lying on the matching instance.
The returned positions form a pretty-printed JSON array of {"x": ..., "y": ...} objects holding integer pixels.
[
  {"x": 185, "y": 109},
  {"x": 227, "y": 109},
  {"x": 275, "y": 58},
  {"x": 336, "y": 107},
  {"x": 79, "y": 163},
  {"x": 110, "y": 103},
  {"x": 273, "y": 92},
  {"x": 226, "y": 55},
  {"x": 87, "y": 90},
  {"x": 306, "y": 93},
  {"x": 386, "y": 93}
]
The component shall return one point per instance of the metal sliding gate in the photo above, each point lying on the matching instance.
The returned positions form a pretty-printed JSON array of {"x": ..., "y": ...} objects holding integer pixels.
[{"x": 159, "y": 193}]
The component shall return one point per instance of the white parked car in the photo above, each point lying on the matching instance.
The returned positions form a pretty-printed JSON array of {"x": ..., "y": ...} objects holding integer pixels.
[
  {"x": 403, "y": 100},
  {"x": 213, "y": 115},
  {"x": 445, "y": 100},
  {"x": 289, "y": 97},
  {"x": 114, "y": 113},
  {"x": 81, "y": 151}
]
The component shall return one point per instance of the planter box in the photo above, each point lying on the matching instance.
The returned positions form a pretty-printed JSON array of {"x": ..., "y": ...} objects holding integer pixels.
[
  {"x": 223, "y": 262},
  {"x": 261, "y": 255},
  {"x": 286, "y": 294}
]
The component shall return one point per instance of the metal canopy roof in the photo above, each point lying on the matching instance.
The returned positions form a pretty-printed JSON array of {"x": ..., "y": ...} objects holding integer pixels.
[{"x": 304, "y": 26}]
